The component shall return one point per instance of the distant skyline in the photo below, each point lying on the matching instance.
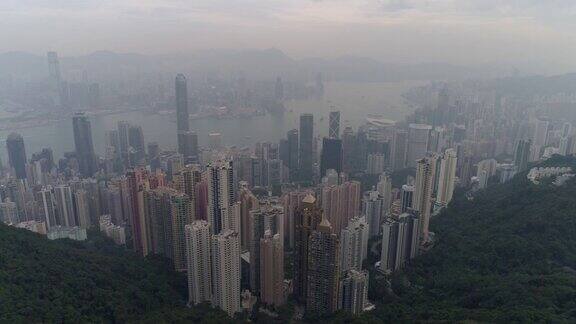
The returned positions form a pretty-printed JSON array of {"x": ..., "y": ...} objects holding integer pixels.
[{"x": 524, "y": 33}]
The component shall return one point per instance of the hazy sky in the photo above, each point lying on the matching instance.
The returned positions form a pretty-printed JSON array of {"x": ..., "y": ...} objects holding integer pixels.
[{"x": 457, "y": 31}]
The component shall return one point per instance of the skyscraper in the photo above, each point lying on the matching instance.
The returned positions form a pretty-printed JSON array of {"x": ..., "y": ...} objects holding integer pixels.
[
  {"x": 354, "y": 291},
  {"x": 221, "y": 195},
  {"x": 400, "y": 242},
  {"x": 306, "y": 147},
  {"x": 17, "y": 154},
  {"x": 261, "y": 220},
  {"x": 384, "y": 187},
  {"x": 199, "y": 262},
  {"x": 389, "y": 245},
  {"x": 334, "y": 126},
  {"x": 521, "y": 154},
  {"x": 406, "y": 197},
  {"x": 418, "y": 137},
  {"x": 293, "y": 153},
  {"x": 84, "y": 145},
  {"x": 182, "y": 211},
  {"x": 354, "y": 244},
  {"x": 323, "y": 270},
  {"x": 307, "y": 218},
  {"x": 189, "y": 146},
  {"x": 46, "y": 206},
  {"x": 81, "y": 209},
  {"x": 340, "y": 203},
  {"x": 55, "y": 78},
  {"x": 272, "y": 269},
  {"x": 139, "y": 227},
  {"x": 423, "y": 190},
  {"x": 226, "y": 271},
  {"x": 292, "y": 201},
  {"x": 182, "y": 117},
  {"x": 331, "y": 157},
  {"x": 137, "y": 146},
  {"x": 447, "y": 177},
  {"x": 64, "y": 206},
  {"x": 373, "y": 208}
]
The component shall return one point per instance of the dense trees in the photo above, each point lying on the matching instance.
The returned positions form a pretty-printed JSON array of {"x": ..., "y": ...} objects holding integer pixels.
[
  {"x": 93, "y": 281},
  {"x": 507, "y": 255}
]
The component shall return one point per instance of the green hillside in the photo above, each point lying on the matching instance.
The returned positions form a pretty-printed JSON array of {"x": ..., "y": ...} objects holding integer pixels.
[
  {"x": 93, "y": 281},
  {"x": 508, "y": 255}
]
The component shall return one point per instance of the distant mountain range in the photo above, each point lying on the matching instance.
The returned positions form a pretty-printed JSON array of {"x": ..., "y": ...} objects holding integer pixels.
[{"x": 253, "y": 64}]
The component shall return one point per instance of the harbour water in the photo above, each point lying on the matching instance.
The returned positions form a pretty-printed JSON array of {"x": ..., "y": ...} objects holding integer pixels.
[{"x": 354, "y": 100}]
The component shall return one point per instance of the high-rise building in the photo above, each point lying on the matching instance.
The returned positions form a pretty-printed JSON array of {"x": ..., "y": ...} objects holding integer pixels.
[
  {"x": 400, "y": 242},
  {"x": 84, "y": 145},
  {"x": 423, "y": 191},
  {"x": 189, "y": 141},
  {"x": 331, "y": 157},
  {"x": 447, "y": 177},
  {"x": 64, "y": 206},
  {"x": 186, "y": 180},
  {"x": 261, "y": 220},
  {"x": 354, "y": 292},
  {"x": 340, "y": 203},
  {"x": 221, "y": 195},
  {"x": 354, "y": 244},
  {"x": 167, "y": 212},
  {"x": 541, "y": 133},
  {"x": 137, "y": 146},
  {"x": 384, "y": 188},
  {"x": 81, "y": 209},
  {"x": 418, "y": 137},
  {"x": 138, "y": 184},
  {"x": 182, "y": 116},
  {"x": 307, "y": 218},
  {"x": 373, "y": 208},
  {"x": 55, "y": 78},
  {"x": 292, "y": 201},
  {"x": 406, "y": 197},
  {"x": 306, "y": 147},
  {"x": 158, "y": 211},
  {"x": 182, "y": 211},
  {"x": 293, "y": 153},
  {"x": 248, "y": 202},
  {"x": 47, "y": 207},
  {"x": 334, "y": 119},
  {"x": 375, "y": 163},
  {"x": 272, "y": 269},
  {"x": 17, "y": 154},
  {"x": 226, "y": 271},
  {"x": 348, "y": 150},
  {"x": 9, "y": 212},
  {"x": 389, "y": 245},
  {"x": 199, "y": 262},
  {"x": 323, "y": 270},
  {"x": 521, "y": 154}
]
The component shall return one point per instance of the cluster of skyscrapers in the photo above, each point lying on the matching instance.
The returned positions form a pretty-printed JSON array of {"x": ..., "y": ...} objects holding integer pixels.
[{"x": 227, "y": 214}]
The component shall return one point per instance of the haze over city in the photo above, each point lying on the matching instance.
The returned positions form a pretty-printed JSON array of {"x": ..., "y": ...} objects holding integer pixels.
[
  {"x": 253, "y": 161},
  {"x": 535, "y": 36}
]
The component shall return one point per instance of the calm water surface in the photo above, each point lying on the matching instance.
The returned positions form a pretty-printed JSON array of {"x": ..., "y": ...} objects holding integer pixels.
[{"x": 354, "y": 100}]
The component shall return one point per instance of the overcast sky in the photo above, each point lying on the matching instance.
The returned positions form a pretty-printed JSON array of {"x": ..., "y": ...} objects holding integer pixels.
[{"x": 456, "y": 31}]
